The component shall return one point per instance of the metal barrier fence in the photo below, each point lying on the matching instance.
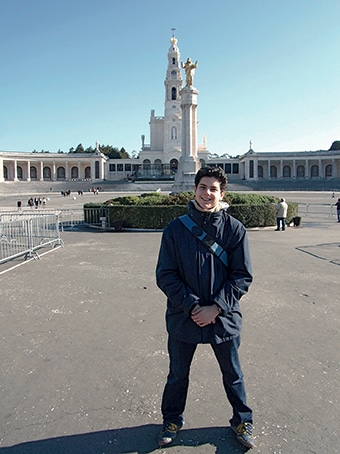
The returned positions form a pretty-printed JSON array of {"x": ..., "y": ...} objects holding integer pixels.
[
  {"x": 25, "y": 236},
  {"x": 66, "y": 218},
  {"x": 317, "y": 209}
]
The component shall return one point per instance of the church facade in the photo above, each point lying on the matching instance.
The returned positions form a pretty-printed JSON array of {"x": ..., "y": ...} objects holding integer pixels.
[{"x": 159, "y": 159}]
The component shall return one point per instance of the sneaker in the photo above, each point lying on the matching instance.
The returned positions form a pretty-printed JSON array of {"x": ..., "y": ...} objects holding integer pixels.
[
  {"x": 168, "y": 433},
  {"x": 244, "y": 434}
]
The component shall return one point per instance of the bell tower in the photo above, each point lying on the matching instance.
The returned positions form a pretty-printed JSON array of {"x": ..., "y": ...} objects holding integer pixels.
[{"x": 172, "y": 107}]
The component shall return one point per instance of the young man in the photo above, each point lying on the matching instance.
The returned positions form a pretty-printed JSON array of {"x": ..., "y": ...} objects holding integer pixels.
[{"x": 203, "y": 302}]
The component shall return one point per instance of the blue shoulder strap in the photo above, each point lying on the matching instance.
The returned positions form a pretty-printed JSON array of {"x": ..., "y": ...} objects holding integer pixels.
[{"x": 208, "y": 241}]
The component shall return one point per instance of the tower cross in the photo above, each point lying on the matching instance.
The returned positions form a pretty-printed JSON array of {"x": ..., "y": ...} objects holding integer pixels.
[{"x": 173, "y": 32}]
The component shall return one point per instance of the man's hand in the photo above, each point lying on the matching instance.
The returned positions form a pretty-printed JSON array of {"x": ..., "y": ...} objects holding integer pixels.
[{"x": 204, "y": 315}]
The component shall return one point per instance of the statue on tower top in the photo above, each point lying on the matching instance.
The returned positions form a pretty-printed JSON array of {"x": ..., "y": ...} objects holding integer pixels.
[{"x": 189, "y": 68}]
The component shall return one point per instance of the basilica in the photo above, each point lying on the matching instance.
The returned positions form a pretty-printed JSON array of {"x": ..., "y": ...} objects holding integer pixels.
[{"x": 159, "y": 159}]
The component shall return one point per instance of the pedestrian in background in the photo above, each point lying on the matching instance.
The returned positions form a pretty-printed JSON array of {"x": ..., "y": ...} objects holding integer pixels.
[
  {"x": 281, "y": 214},
  {"x": 337, "y": 204}
]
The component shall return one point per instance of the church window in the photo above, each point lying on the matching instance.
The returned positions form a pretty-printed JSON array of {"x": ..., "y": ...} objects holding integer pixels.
[
  {"x": 61, "y": 173},
  {"x": 88, "y": 172},
  {"x": 328, "y": 170},
  {"x": 314, "y": 171},
  {"x": 273, "y": 172},
  {"x": 173, "y": 60},
  {"x": 286, "y": 173},
  {"x": 300, "y": 171},
  {"x": 173, "y": 74},
  {"x": 74, "y": 173},
  {"x": 47, "y": 173},
  {"x": 96, "y": 169},
  {"x": 251, "y": 169},
  {"x": 174, "y": 133},
  {"x": 236, "y": 167},
  {"x": 19, "y": 172},
  {"x": 173, "y": 93},
  {"x": 33, "y": 172}
]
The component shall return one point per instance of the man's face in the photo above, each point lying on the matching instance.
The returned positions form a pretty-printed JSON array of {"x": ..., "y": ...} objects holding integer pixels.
[{"x": 208, "y": 193}]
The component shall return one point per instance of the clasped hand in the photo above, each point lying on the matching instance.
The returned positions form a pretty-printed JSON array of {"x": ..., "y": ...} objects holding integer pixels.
[{"x": 204, "y": 315}]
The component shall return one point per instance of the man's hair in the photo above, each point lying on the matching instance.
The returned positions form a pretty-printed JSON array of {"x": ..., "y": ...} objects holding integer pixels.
[{"x": 215, "y": 172}]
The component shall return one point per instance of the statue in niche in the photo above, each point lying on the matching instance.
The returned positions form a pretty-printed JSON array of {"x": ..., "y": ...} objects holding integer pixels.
[{"x": 189, "y": 68}]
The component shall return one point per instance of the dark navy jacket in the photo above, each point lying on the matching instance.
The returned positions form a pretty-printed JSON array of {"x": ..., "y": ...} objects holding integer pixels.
[{"x": 189, "y": 274}]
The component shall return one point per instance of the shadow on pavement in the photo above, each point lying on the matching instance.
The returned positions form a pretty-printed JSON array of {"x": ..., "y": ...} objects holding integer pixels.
[{"x": 141, "y": 439}]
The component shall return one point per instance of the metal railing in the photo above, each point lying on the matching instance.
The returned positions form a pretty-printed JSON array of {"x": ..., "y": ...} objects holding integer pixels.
[
  {"x": 66, "y": 218},
  {"x": 317, "y": 209},
  {"x": 25, "y": 236}
]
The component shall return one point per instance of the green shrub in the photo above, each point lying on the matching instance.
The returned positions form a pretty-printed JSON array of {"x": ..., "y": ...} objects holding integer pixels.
[{"x": 155, "y": 210}]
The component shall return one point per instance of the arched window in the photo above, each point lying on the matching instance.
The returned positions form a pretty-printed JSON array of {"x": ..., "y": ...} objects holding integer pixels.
[
  {"x": 74, "y": 173},
  {"x": 300, "y": 171},
  {"x": 33, "y": 172},
  {"x": 47, "y": 173},
  {"x": 173, "y": 93},
  {"x": 314, "y": 171},
  {"x": 174, "y": 133},
  {"x": 259, "y": 171},
  {"x": 173, "y": 60},
  {"x": 88, "y": 172},
  {"x": 174, "y": 165},
  {"x": 328, "y": 170},
  {"x": 147, "y": 166},
  {"x": 19, "y": 172},
  {"x": 286, "y": 172},
  {"x": 158, "y": 164},
  {"x": 60, "y": 173},
  {"x": 273, "y": 172}
]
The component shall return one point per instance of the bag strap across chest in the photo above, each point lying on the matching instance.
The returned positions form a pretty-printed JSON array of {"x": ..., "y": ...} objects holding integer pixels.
[{"x": 207, "y": 240}]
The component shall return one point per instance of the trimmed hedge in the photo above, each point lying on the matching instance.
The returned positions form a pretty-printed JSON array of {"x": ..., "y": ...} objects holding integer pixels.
[{"x": 155, "y": 211}]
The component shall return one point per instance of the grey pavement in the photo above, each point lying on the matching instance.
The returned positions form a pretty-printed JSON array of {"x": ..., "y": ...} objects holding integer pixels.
[{"x": 83, "y": 348}]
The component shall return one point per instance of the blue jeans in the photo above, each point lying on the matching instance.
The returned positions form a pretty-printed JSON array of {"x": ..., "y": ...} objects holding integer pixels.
[{"x": 176, "y": 388}]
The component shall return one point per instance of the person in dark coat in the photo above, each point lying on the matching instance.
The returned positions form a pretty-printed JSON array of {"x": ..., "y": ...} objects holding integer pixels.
[
  {"x": 337, "y": 204},
  {"x": 203, "y": 297}
]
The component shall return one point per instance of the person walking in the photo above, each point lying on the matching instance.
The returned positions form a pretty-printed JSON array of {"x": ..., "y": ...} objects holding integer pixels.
[
  {"x": 203, "y": 294},
  {"x": 337, "y": 204},
  {"x": 281, "y": 214}
]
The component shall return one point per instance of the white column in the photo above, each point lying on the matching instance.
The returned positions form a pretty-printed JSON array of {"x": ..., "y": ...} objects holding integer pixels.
[
  {"x": 67, "y": 171},
  {"x": 28, "y": 171},
  {"x": 41, "y": 170},
  {"x": 79, "y": 170},
  {"x": 54, "y": 172},
  {"x": 307, "y": 170},
  {"x": 15, "y": 178}
]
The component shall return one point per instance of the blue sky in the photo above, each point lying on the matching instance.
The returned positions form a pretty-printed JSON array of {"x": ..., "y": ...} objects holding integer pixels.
[{"x": 78, "y": 71}]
